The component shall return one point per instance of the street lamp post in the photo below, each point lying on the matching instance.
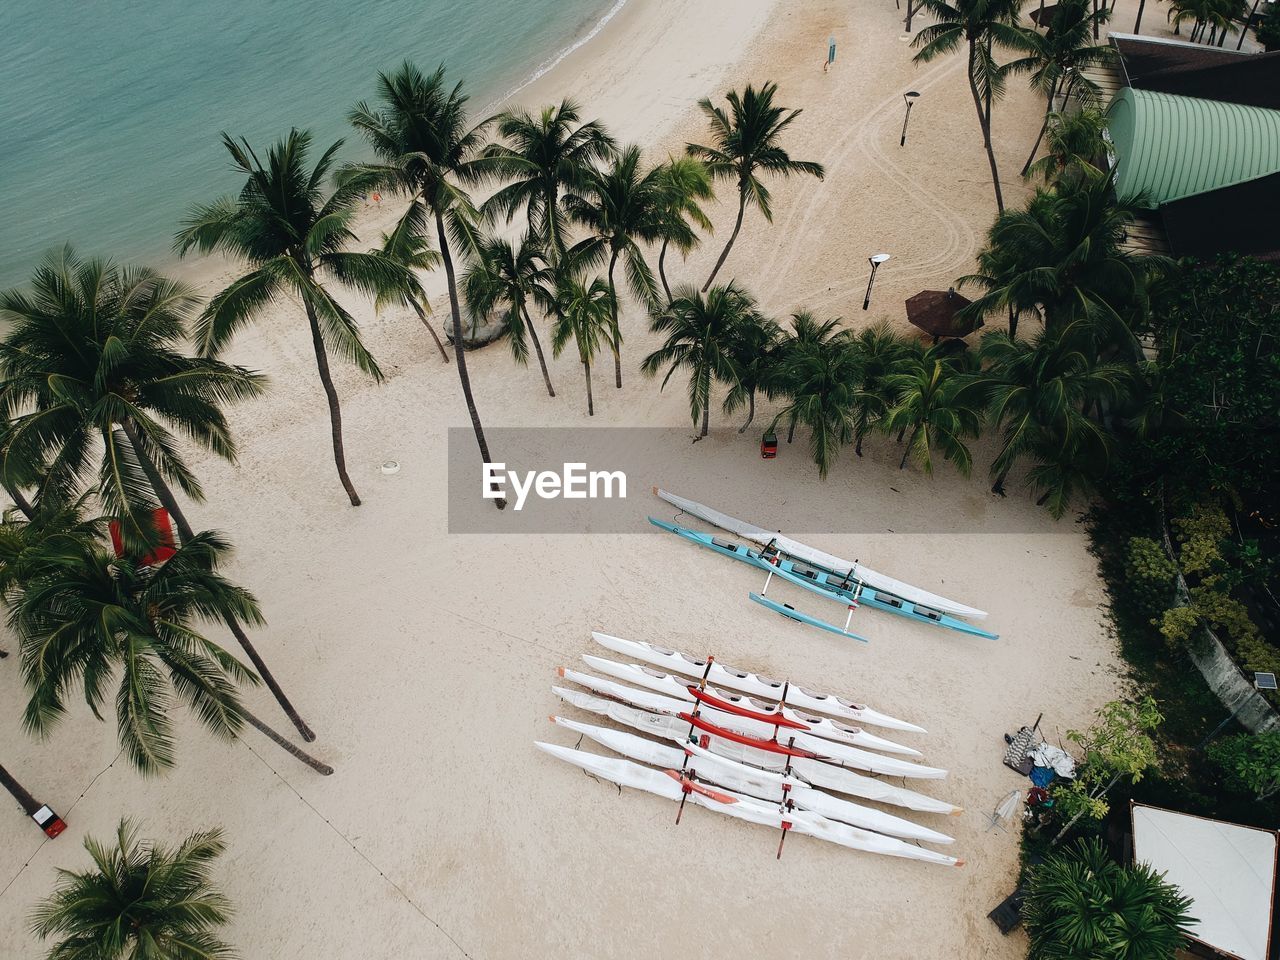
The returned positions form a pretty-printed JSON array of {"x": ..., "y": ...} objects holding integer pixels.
[
  {"x": 875, "y": 262},
  {"x": 909, "y": 98}
]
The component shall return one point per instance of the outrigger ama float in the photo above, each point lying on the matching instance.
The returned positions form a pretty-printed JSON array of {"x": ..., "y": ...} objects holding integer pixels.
[{"x": 842, "y": 581}]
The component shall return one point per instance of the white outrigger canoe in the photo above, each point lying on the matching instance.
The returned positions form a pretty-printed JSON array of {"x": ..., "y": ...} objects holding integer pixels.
[
  {"x": 801, "y": 551},
  {"x": 762, "y": 784},
  {"x": 814, "y": 772},
  {"x": 757, "y": 686},
  {"x": 819, "y": 749},
  {"x": 678, "y": 688},
  {"x": 674, "y": 786}
]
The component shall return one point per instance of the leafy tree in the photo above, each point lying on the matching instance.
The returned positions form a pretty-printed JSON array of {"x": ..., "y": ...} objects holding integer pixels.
[
  {"x": 550, "y": 153},
  {"x": 426, "y": 150},
  {"x": 1117, "y": 746},
  {"x": 1060, "y": 57},
  {"x": 685, "y": 182},
  {"x": 1268, "y": 33},
  {"x": 505, "y": 277},
  {"x": 294, "y": 238},
  {"x": 931, "y": 404},
  {"x": 412, "y": 250},
  {"x": 622, "y": 206},
  {"x": 978, "y": 26},
  {"x": 1251, "y": 762},
  {"x": 89, "y": 619},
  {"x": 140, "y": 901},
  {"x": 881, "y": 352},
  {"x": 583, "y": 315},
  {"x": 819, "y": 380},
  {"x": 701, "y": 330},
  {"x": 806, "y": 331},
  {"x": 745, "y": 145},
  {"x": 1082, "y": 905}
]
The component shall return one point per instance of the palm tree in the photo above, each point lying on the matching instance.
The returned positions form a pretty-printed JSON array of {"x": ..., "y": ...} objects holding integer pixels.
[
  {"x": 549, "y": 154},
  {"x": 881, "y": 352},
  {"x": 1061, "y": 55},
  {"x": 427, "y": 152},
  {"x": 929, "y": 401},
  {"x": 293, "y": 238},
  {"x": 1081, "y": 903},
  {"x": 621, "y": 206},
  {"x": 413, "y": 251},
  {"x": 981, "y": 26},
  {"x": 685, "y": 183},
  {"x": 806, "y": 331},
  {"x": 1038, "y": 393},
  {"x": 140, "y": 900},
  {"x": 92, "y": 366},
  {"x": 584, "y": 314},
  {"x": 745, "y": 144},
  {"x": 1064, "y": 254},
  {"x": 701, "y": 330},
  {"x": 89, "y": 617},
  {"x": 505, "y": 277},
  {"x": 753, "y": 351},
  {"x": 819, "y": 380},
  {"x": 1074, "y": 143},
  {"x": 29, "y": 804},
  {"x": 28, "y": 547}
]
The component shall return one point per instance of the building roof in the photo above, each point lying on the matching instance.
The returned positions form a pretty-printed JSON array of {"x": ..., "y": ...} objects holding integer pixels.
[
  {"x": 1228, "y": 871},
  {"x": 1244, "y": 217},
  {"x": 1195, "y": 70},
  {"x": 1168, "y": 147}
]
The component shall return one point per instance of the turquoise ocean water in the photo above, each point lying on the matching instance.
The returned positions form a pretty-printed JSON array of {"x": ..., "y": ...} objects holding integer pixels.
[{"x": 110, "y": 110}]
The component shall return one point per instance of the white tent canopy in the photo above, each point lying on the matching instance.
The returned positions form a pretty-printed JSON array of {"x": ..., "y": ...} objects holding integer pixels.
[{"x": 1228, "y": 871}]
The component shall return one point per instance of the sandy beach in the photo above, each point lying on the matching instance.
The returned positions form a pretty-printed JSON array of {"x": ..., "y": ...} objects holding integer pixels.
[{"x": 424, "y": 661}]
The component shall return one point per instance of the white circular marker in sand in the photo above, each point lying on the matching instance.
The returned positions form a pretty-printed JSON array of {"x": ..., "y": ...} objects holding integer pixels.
[{"x": 390, "y": 466}]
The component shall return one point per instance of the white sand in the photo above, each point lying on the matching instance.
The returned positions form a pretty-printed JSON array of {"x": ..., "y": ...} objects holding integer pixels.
[{"x": 424, "y": 661}]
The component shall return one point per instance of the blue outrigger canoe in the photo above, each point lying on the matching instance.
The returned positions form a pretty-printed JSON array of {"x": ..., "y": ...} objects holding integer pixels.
[{"x": 825, "y": 583}]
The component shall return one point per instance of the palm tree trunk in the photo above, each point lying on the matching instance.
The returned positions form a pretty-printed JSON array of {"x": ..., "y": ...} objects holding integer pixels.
[
  {"x": 1043, "y": 127},
  {"x": 170, "y": 503},
  {"x": 316, "y": 765},
  {"x": 1137, "y": 22},
  {"x": 742, "y": 209},
  {"x": 1248, "y": 20},
  {"x": 20, "y": 501},
  {"x": 751, "y": 411},
  {"x": 706, "y": 412},
  {"x": 422, "y": 315},
  {"x": 662, "y": 272},
  {"x": 1040, "y": 15},
  {"x": 907, "y": 452},
  {"x": 998, "y": 487},
  {"x": 984, "y": 121},
  {"x": 791, "y": 430},
  {"x": 616, "y": 334},
  {"x": 25, "y": 800},
  {"x": 335, "y": 410},
  {"x": 591, "y": 406},
  {"x": 1013, "y": 323},
  {"x": 460, "y": 351},
  {"x": 537, "y": 348}
]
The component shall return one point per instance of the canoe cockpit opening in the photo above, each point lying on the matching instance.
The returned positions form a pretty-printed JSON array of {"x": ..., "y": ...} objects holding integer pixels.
[
  {"x": 890, "y": 601},
  {"x": 724, "y": 544},
  {"x": 772, "y": 684},
  {"x": 737, "y": 673},
  {"x": 663, "y": 650},
  {"x": 652, "y": 672},
  {"x": 926, "y": 612}
]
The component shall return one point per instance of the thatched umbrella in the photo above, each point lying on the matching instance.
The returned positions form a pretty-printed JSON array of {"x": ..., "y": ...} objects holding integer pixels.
[{"x": 934, "y": 312}]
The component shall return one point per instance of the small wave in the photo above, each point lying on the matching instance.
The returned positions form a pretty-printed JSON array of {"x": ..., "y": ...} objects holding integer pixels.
[{"x": 552, "y": 62}]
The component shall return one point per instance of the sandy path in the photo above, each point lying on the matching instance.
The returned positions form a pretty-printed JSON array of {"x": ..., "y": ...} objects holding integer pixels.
[{"x": 424, "y": 661}]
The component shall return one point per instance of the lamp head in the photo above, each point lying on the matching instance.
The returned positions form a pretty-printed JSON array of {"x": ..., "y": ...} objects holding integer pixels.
[
  {"x": 878, "y": 259},
  {"x": 911, "y": 94}
]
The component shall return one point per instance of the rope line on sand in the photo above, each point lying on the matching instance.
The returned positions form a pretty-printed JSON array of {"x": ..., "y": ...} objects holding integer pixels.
[
  {"x": 363, "y": 856},
  {"x": 36, "y": 852}
]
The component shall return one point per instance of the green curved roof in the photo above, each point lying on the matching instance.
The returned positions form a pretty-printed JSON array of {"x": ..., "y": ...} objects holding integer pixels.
[{"x": 1169, "y": 147}]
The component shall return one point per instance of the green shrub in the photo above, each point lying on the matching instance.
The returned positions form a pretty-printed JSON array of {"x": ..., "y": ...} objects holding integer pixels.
[
  {"x": 1081, "y": 905},
  {"x": 1150, "y": 575},
  {"x": 1250, "y": 762}
]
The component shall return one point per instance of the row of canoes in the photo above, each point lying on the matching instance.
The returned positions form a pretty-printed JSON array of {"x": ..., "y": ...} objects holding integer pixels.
[{"x": 750, "y": 748}]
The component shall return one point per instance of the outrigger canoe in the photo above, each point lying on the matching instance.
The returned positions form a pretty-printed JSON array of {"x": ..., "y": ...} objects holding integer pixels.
[
  {"x": 814, "y": 772},
  {"x": 826, "y": 583},
  {"x": 761, "y": 687},
  {"x": 791, "y": 613},
  {"x": 762, "y": 784},
  {"x": 852, "y": 570},
  {"x": 673, "y": 785},
  {"x": 784, "y": 719},
  {"x": 815, "y": 748}
]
